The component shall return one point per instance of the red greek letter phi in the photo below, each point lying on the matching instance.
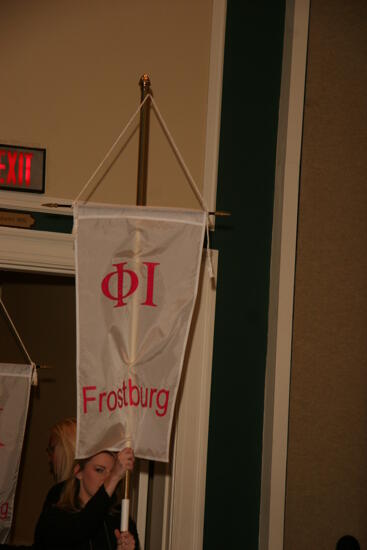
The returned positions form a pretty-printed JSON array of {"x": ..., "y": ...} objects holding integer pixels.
[{"x": 121, "y": 273}]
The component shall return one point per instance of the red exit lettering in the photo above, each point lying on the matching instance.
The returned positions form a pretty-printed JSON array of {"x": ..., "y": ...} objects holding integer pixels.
[{"x": 15, "y": 168}]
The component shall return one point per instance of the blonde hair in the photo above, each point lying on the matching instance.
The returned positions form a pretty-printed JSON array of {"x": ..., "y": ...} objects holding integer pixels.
[
  {"x": 64, "y": 434},
  {"x": 69, "y": 498}
]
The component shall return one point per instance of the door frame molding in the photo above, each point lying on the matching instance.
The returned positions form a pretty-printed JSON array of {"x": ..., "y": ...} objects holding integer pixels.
[{"x": 282, "y": 276}]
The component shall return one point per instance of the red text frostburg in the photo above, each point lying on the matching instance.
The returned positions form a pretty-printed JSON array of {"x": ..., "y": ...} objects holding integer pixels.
[{"x": 127, "y": 395}]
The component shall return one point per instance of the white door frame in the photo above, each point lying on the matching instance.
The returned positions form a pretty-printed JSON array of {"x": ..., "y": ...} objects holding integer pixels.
[{"x": 282, "y": 272}]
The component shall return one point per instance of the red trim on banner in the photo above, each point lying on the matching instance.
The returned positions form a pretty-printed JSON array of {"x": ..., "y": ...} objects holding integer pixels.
[
  {"x": 4, "y": 508},
  {"x": 1, "y": 444}
]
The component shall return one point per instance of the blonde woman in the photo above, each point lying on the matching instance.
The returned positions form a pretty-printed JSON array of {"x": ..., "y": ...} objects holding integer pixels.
[{"x": 86, "y": 516}]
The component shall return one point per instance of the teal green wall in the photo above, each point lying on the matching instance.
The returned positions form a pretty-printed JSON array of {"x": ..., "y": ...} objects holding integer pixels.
[
  {"x": 57, "y": 223},
  {"x": 251, "y": 88}
]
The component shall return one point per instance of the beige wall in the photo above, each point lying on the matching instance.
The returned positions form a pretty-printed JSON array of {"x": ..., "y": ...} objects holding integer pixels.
[
  {"x": 70, "y": 83},
  {"x": 327, "y": 453},
  {"x": 71, "y": 72}
]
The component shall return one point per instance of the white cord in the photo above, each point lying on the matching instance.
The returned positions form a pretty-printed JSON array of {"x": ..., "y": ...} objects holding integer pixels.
[
  {"x": 194, "y": 187},
  {"x": 16, "y": 332},
  {"x": 32, "y": 363},
  {"x": 109, "y": 152},
  {"x": 187, "y": 172}
]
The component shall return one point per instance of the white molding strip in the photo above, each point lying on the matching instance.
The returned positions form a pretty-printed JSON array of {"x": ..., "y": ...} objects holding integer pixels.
[
  {"x": 33, "y": 201},
  {"x": 42, "y": 251},
  {"x": 186, "y": 498},
  {"x": 141, "y": 517},
  {"x": 283, "y": 255}
]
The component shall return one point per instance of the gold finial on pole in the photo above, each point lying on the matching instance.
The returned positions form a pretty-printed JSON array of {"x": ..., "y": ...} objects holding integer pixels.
[{"x": 141, "y": 196}]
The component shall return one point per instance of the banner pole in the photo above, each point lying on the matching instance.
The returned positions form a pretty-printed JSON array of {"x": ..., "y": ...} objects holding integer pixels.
[
  {"x": 141, "y": 200},
  {"x": 141, "y": 196}
]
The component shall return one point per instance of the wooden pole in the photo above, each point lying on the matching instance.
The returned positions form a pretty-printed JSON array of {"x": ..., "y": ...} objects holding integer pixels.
[
  {"x": 141, "y": 200},
  {"x": 141, "y": 196}
]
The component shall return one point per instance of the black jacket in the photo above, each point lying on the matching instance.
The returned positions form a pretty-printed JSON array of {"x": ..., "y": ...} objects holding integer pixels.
[
  {"x": 92, "y": 528},
  {"x": 52, "y": 497}
]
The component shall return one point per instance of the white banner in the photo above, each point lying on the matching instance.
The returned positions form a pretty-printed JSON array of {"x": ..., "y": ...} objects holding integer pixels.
[
  {"x": 137, "y": 272},
  {"x": 15, "y": 384}
]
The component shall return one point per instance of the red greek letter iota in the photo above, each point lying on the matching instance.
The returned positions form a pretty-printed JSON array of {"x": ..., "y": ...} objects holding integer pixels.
[{"x": 121, "y": 273}]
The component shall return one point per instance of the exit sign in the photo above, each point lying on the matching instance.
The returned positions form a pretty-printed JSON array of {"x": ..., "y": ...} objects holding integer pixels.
[{"x": 22, "y": 169}]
